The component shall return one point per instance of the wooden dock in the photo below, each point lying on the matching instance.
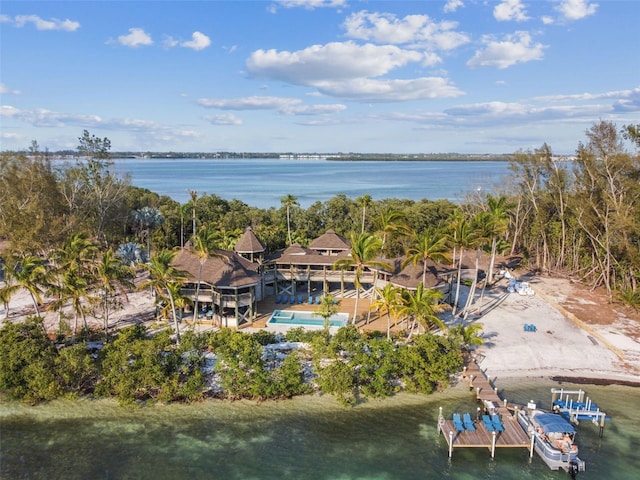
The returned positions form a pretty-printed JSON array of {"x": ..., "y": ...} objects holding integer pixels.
[{"x": 513, "y": 435}]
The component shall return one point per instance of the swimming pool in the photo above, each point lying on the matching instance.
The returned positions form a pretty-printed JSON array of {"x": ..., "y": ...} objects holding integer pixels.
[{"x": 306, "y": 319}]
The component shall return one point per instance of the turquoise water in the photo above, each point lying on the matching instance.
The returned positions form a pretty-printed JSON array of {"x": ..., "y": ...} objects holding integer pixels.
[
  {"x": 263, "y": 182},
  {"x": 306, "y": 319},
  {"x": 305, "y": 438}
]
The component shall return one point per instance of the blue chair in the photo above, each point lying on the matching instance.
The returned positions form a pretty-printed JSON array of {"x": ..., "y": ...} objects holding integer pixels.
[
  {"x": 497, "y": 423},
  {"x": 318, "y": 300},
  {"x": 488, "y": 424},
  {"x": 300, "y": 299},
  {"x": 278, "y": 298},
  {"x": 468, "y": 423},
  {"x": 310, "y": 300},
  {"x": 292, "y": 299},
  {"x": 457, "y": 422}
]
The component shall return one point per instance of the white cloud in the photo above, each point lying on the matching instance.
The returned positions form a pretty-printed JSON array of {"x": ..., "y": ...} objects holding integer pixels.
[
  {"x": 223, "y": 119},
  {"x": 510, "y": 10},
  {"x": 284, "y": 105},
  {"x": 453, "y": 5},
  {"x": 344, "y": 70},
  {"x": 41, "y": 24},
  {"x": 199, "y": 41},
  {"x": 388, "y": 28},
  {"x": 136, "y": 37},
  {"x": 371, "y": 90},
  {"x": 249, "y": 103},
  {"x": 4, "y": 90},
  {"x": 311, "y": 4},
  {"x": 576, "y": 9},
  {"x": 330, "y": 62},
  {"x": 515, "y": 48}
]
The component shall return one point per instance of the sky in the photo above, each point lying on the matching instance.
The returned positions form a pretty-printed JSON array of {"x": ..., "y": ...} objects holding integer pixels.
[{"x": 322, "y": 76}]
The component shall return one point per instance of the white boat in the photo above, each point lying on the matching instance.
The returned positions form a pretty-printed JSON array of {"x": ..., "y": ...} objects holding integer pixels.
[{"x": 553, "y": 439}]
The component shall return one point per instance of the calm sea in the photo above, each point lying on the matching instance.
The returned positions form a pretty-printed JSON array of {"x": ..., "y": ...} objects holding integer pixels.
[
  {"x": 263, "y": 182},
  {"x": 305, "y": 438}
]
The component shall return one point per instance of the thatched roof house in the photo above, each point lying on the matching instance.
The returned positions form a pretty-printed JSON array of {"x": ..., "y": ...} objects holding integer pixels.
[
  {"x": 249, "y": 245},
  {"x": 330, "y": 243}
]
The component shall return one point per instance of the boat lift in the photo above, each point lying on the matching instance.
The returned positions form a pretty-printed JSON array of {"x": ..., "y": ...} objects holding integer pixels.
[{"x": 575, "y": 406}]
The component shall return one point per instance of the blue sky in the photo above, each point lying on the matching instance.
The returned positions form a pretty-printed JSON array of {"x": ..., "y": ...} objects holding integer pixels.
[{"x": 468, "y": 76}]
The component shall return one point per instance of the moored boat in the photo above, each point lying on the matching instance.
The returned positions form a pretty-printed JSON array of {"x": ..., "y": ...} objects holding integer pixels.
[{"x": 553, "y": 439}]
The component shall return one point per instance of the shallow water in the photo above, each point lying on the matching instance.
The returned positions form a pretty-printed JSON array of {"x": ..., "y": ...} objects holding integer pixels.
[{"x": 304, "y": 438}]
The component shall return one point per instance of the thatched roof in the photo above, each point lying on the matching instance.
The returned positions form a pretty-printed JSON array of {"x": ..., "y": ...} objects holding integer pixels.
[
  {"x": 330, "y": 241},
  {"x": 298, "y": 255},
  {"x": 249, "y": 243},
  {"x": 411, "y": 275},
  {"x": 229, "y": 270}
]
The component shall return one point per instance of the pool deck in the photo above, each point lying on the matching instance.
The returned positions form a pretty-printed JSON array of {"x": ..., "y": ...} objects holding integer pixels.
[{"x": 347, "y": 303}]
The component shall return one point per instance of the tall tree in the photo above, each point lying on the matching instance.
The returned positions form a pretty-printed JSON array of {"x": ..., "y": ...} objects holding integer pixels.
[
  {"x": 422, "y": 306},
  {"x": 390, "y": 223},
  {"x": 499, "y": 216},
  {"x": 430, "y": 245},
  {"x": 388, "y": 302},
  {"x": 30, "y": 273},
  {"x": 462, "y": 237},
  {"x": 289, "y": 201},
  {"x": 364, "y": 202},
  {"x": 147, "y": 219},
  {"x": 364, "y": 252},
  {"x": 31, "y": 206},
  {"x": 113, "y": 277},
  {"x": 165, "y": 279},
  {"x": 327, "y": 308},
  {"x": 95, "y": 196}
]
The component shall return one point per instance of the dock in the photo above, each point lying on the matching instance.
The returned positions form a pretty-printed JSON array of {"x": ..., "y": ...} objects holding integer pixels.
[
  {"x": 574, "y": 405},
  {"x": 480, "y": 435}
]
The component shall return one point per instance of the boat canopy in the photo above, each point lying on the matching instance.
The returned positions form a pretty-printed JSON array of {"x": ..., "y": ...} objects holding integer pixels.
[{"x": 551, "y": 422}]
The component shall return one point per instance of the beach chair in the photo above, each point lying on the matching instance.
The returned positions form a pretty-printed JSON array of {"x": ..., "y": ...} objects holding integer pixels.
[
  {"x": 278, "y": 298},
  {"x": 468, "y": 423},
  {"x": 532, "y": 328},
  {"x": 457, "y": 422},
  {"x": 310, "y": 300},
  {"x": 497, "y": 423},
  {"x": 318, "y": 300},
  {"x": 488, "y": 424},
  {"x": 292, "y": 299},
  {"x": 300, "y": 299}
]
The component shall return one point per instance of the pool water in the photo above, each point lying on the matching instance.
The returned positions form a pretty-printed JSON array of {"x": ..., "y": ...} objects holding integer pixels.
[{"x": 306, "y": 319}]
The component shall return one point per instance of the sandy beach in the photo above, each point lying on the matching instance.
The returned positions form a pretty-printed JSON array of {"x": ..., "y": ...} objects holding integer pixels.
[{"x": 578, "y": 334}]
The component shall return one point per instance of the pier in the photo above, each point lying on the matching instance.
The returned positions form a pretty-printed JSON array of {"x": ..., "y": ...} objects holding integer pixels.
[{"x": 482, "y": 433}]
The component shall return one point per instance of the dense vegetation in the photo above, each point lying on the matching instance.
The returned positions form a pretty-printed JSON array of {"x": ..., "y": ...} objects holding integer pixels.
[
  {"x": 139, "y": 367},
  {"x": 77, "y": 233}
]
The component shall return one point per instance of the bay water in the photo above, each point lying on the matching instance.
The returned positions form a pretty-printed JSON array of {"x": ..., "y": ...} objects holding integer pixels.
[
  {"x": 263, "y": 182},
  {"x": 304, "y": 438}
]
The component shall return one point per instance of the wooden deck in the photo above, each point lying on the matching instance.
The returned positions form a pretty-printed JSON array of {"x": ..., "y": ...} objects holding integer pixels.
[{"x": 513, "y": 435}]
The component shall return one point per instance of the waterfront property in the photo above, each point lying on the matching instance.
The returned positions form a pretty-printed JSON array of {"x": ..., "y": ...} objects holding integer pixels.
[{"x": 234, "y": 284}]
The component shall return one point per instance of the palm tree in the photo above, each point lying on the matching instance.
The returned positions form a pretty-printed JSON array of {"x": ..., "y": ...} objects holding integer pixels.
[
  {"x": 201, "y": 247},
  {"x": 289, "y": 201},
  {"x": 468, "y": 336},
  {"x": 327, "y": 308},
  {"x": 364, "y": 253},
  {"x": 194, "y": 199},
  {"x": 365, "y": 202},
  {"x": 431, "y": 244},
  {"x": 73, "y": 287},
  {"x": 498, "y": 209},
  {"x": 421, "y": 306},
  {"x": 111, "y": 276},
  {"x": 388, "y": 302},
  {"x": 30, "y": 273},
  {"x": 147, "y": 219},
  {"x": 8, "y": 290},
  {"x": 462, "y": 237},
  {"x": 391, "y": 222},
  {"x": 165, "y": 280}
]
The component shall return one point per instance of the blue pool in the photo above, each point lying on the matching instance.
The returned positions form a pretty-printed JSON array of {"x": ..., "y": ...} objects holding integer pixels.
[{"x": 306, "y": 319}]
